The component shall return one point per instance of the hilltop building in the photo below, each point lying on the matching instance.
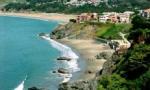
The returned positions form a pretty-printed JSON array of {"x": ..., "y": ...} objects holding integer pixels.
[
  {"x": 145, "y": 13},
  {"x": 112, "y": 17},
  {"x": 87, "y": 17},
  {"x": 83, "y": 2},
  {"x": 115, "y": 17}
]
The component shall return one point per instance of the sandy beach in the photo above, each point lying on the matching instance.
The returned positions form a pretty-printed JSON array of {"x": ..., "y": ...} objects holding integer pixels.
[
  {"x": 64, "y": 18},
  {"x": 88, "y": 49}
]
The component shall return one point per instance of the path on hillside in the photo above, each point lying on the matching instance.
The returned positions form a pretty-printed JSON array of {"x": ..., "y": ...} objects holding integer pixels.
[{"x": 125, "y": 39}]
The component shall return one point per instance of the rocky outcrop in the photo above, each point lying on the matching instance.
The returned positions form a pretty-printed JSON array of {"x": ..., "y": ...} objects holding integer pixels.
[
  {"x": 64, "y": 58},
  {"x": 79, "y": 85},
  {"x": 109, "y": 66},
  {"x": 74, "y": 31},
  {"x": 63, "y": 71}
]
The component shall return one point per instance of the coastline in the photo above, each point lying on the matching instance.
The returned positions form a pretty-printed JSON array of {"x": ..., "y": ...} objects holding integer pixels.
[
  {"x": 62, "y": 18},
  {"x": 72, "y": 65},
  {"x": 88, "y": 49}
]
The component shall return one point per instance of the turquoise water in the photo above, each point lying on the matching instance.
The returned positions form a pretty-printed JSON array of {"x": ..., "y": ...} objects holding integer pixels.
[{"x": 23, "y": 53}]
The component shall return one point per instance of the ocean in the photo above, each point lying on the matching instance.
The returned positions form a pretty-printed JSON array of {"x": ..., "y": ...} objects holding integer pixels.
[{"x": 27, "y": 60}]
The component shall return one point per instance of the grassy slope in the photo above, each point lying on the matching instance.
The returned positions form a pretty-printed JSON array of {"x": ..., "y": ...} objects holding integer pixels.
[
  {"x": 112, "y": 30},
  {"x": 90, "y": 30},
  {"x": 100, "y": 30}
]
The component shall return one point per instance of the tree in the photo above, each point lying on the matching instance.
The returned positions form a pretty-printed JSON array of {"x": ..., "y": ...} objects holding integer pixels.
[
  {"x": 113, "y": 82},
  {"x": 140, "y": 22}
]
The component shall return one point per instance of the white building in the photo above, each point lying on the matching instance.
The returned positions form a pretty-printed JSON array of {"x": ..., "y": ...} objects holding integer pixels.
[
  {"x": 83, "y": 2},
  {"x": 124, "y": 18},
  {"x": 115, "y": 17},
  {"x": 103, "y": 18}
]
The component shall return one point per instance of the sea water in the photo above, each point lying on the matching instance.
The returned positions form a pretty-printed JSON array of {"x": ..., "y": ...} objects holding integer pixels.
[{"x": 26, "y": 60}]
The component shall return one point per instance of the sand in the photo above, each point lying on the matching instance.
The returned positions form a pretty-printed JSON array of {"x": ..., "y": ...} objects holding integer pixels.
[
  {"x": 88, "y": 49},
  {"x": 64, "y": 18}
]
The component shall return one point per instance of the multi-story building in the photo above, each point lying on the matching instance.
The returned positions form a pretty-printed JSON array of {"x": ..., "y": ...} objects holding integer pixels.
[
  {"x": 87, "y": 17},
  {"x": 114, "y": 17}
]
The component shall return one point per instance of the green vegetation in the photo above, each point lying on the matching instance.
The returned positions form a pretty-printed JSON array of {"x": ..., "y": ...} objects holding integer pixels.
[
  {"x": 75, "y": 30},
  {"x": 113, "y": 82},
  {"x": 131, "y": 71},
  {"x": 112, "y": 30},
  {"x": 8, "y": 1},
  {"x": 88, "y": 30},
  {"x": 5, "y": 2},
  {"x": 54, "y": 6}
]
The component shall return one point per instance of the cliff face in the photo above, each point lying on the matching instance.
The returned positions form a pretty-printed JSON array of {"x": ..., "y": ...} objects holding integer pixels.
[
  {"x": 74, "y": 31},
  {"x": 110, "y": 65},
  {"x": 79, "y": 85},
  {"x": 108, "y": 68}
]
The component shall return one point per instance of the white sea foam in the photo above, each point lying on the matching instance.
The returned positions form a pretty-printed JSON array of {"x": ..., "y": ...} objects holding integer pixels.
[
  {"x": 66, "y": 77},
  {"x": 21, "y": 85},
  {"x": 65, "y": 52}
]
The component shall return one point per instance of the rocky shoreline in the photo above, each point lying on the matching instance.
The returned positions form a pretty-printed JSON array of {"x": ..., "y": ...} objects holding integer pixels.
[{"x": 95, "y": 54}]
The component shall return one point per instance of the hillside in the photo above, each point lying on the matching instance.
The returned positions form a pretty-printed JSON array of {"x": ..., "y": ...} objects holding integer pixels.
[
  {"x": 90, "y": 30},
  {"x": 63, "y": 7},
  {"x": 5, "y": 2},
  {"x": 129, "y": 70},
  {"x": 129, "y": 4}
]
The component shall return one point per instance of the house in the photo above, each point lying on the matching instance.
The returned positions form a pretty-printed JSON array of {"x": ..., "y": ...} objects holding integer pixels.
[
  {"x": 124, "y": 18},
  {"x": 108, "y": 17},
  {"x": 146, "y": 13},
  {"x": 103, "y": 18},
  {"x": 87, "y": 17},
  {"x": 115, "y": 17},
  {"x": 129, "y": 12}
]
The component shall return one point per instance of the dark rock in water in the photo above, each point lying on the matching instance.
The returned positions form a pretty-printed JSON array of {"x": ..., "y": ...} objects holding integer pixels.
[
  {"x": 63, "y": 71},
  {"x": 64, "y": 58},
  {"x": 42, "y": 34},
  {"x": 54, "y": 71},
  {"x": 34, "y": 88}
]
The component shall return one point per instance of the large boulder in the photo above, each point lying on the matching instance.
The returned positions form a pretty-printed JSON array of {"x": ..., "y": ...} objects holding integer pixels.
[
  {"x": 79, "y": 85},
  {"x": 63, "y": 71},
  {"x": 64, "y": 58}
]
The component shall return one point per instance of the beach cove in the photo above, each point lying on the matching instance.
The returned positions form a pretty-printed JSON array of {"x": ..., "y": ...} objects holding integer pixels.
[{"x": 87, "y": 53}]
